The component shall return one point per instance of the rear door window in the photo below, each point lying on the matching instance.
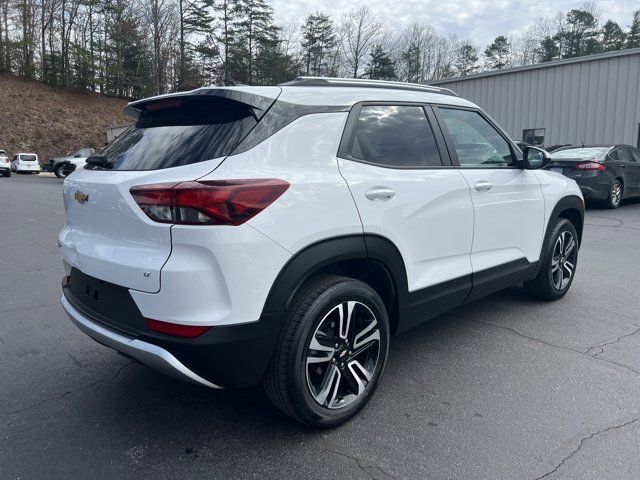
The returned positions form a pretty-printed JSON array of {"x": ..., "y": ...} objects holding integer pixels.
[
  {"x": 621, "y": 155},
  {"x": 180, "y": 132},
  {"x": 28, "y": 158},
  {"x": 395, "y": 136}
]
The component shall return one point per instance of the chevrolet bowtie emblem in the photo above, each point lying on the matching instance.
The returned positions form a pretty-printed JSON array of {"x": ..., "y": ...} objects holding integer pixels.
[{"x": 81, "y": 197}]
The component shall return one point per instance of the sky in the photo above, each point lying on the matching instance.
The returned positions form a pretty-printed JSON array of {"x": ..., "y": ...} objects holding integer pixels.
[{"x": 477, "y": 20}]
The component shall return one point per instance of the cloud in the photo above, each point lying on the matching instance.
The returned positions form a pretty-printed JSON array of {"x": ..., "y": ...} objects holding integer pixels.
[{"x": 477, "y": 20}]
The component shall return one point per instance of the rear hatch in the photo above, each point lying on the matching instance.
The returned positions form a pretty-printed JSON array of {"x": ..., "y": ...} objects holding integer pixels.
[
  {"x": 175, "y": 138},
  {"x": 29, "y": 161}
]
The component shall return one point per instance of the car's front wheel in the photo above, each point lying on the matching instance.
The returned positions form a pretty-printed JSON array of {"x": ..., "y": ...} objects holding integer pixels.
[
  {"x": 331, "y": 353},
  {"x": 558, "y": 263}
]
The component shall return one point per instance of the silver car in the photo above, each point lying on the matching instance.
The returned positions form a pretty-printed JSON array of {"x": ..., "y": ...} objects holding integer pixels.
[{"x": 63, "y": 166}]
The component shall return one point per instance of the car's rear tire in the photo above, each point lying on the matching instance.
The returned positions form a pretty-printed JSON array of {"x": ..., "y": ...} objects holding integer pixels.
[
  {"x": 558, "y": 263},
  {"x": 614, "y": 198},
  {"x": 347, "y": 323}
]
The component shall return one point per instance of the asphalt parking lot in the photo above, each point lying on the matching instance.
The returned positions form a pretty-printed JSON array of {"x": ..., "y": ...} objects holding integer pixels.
[{"x": 504, "y": 388}]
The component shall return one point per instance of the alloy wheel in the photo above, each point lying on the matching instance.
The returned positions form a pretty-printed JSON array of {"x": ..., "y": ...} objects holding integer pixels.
[
  {"x": 563, "y": 260},
  {"x": 343, "y": 355},
  {"x": 616, "y": 193}
]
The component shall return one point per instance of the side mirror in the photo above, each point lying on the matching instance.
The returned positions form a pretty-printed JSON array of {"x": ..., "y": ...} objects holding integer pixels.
[
  {"x": 77, "y": 155},
  {"x": 535, "y": 158}
]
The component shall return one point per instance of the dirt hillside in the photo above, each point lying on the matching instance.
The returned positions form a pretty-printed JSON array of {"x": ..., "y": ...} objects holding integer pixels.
[{"x": 49, "y": 121}]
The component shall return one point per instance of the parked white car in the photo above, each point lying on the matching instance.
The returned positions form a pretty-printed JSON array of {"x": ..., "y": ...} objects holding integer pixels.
[
  {"x": 280, "y": 235},
  {"x": 25, "y": 163},
  {"x": 5, "y": 164}
]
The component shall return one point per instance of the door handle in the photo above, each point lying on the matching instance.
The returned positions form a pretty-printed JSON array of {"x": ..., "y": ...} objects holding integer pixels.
[
  {"x": 483, "y": 186},
  {"x": 380, "y": 194}
]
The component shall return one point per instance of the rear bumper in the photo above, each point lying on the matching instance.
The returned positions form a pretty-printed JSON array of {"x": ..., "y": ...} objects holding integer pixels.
[
  {"x": 595, "y": 188},
  {"x": 147, "y": 353},
  {"x": 224, "y": 356}
]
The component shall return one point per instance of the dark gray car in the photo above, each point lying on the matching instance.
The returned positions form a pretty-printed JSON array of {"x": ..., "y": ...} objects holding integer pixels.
[{"x": 606, "y": 173}]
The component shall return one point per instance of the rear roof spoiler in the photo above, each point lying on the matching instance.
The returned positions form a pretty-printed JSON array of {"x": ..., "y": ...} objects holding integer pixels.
[{"x": 259, "y": 103}]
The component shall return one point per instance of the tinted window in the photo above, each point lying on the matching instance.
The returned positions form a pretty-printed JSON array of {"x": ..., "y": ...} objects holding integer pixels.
[
  {"x": 621, "y": 155},
  {"x": 636, "y": 154},
  {"x": 188, "y": 130},
  {"x": 28, "y": 158},
  {"x": 397, "y": 136},
  {"x": 477, "y": 143}
]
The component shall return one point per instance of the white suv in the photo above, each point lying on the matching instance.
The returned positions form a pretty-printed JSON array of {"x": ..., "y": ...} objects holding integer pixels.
[
  {"x": 5, "y": 164},
  {"x": 280, "y": 235}
]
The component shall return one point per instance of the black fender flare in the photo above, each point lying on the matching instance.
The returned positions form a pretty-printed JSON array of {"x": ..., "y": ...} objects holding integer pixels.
[
  {"x": 571, "y": 203},
  {"x": 324, "y": 253}
]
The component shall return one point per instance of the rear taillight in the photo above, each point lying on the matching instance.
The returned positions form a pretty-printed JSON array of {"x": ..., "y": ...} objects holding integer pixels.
[
  {"x": 221, "y": 202},
  {"x": 175, "y": 329},
  {"x": 589, "y": 166}
]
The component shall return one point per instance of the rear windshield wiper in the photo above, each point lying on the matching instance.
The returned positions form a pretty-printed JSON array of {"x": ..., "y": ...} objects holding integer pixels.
[{"x": 98, "y": 160}]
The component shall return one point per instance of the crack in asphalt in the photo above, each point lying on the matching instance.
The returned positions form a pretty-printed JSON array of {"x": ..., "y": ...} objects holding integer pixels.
[
  {"x": 35, "y": 242},
  {"x": 561, "y": 347},
  {"x": 581, "y": 444},
  {"x": 365, "y": 468},
  {"x": 85, "y": 387},
  {"x": 611, "y": 342}
]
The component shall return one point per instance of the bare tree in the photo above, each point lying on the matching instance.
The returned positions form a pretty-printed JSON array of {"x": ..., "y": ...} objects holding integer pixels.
[{"x": 360, "y": 30}]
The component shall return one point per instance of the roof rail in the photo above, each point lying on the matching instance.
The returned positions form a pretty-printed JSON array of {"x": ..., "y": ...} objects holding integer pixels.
[{"x": 366, "y": 83}]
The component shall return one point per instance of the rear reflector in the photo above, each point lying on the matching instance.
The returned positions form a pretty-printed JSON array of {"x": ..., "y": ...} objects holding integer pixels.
[
  {"x": 220, "y": 202},
  {"x": 589, "y": 166},
  {"x": 174, "y": 329}
]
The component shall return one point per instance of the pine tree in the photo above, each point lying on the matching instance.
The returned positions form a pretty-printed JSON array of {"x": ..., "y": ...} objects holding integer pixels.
[
  {"x": 466, "y": 60},
  {"x": 580, "y": 36},
  {"x": 318, "y": 44},
  {"x": 613, "y": 38},
  {"x": 380, "y": 65},
  {"x": 256, "y": 32},
  {"x": 228, "y": 12},
  {"x": 548, "y": 50},
  {"x": 497, "y": 54},
  {"x": 633, "y": 37}
]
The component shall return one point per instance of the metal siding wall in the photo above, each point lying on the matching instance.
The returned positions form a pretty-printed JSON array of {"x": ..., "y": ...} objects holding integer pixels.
[{"x": 595, "y": 101}]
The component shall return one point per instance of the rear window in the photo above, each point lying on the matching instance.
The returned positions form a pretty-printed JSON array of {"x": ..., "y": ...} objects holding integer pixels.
[
  {"x": 180, "y": 132},
  {"x": 28, "y": 158},
  {"x": 581, "y": 153}
]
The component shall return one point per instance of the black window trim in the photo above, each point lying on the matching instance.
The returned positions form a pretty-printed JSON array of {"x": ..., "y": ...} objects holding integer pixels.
[
  {"x": 348, "y": 136},
  {"x": 451, "y": 148}
]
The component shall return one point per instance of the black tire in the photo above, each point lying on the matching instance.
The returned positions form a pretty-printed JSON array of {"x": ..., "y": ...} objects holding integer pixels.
[
  {"x": 614, "y": 197},
  {"x": 59, "y": 171},
  {"x": 289, "y": 379},
  {"x": 546, "y": 286}
]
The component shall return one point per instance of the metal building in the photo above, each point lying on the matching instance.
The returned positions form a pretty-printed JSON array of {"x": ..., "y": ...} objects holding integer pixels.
[{"x": 590, "y": 100}]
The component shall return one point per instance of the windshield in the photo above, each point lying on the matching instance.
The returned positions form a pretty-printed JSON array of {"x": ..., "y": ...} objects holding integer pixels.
[
  {"x": 581, "y": 153},
  {"x": 28, "y": 158},
  {"x": 187, "y": 131}
]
